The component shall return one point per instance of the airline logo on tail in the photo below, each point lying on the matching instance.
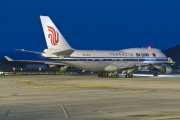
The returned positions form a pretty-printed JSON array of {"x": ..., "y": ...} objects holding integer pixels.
[{"x": 53, "y": 36}]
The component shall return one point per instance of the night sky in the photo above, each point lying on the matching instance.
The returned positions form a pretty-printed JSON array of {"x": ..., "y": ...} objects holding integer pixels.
[{"x": 91, "y": 24}]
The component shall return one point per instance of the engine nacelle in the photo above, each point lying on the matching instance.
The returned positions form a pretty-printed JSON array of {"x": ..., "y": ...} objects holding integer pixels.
[
  {"x": 165, "y": 69},
  {"x": 124, "y": 71},
  {"x": 55, "y": 67},
  {"x": 110, "y": 68},
  {"x": 131, "y": 70},
  {"x": 58, "y": 68},
  {"x": 63, "y": 69}
]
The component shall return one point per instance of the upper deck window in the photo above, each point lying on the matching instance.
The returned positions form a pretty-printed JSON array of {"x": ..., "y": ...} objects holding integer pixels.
[
  {"x": 145, "y": 54},
  {"x": 138, "y": 54}
]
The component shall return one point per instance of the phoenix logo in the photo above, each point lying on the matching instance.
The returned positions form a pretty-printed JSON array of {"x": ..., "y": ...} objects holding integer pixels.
[
  {"x": 53, "y": 36},
  {"x": 154, "y": 55}
]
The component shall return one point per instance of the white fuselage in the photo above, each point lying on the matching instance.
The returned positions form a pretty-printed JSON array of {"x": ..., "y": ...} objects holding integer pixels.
[{"x": 111, "y": 61}]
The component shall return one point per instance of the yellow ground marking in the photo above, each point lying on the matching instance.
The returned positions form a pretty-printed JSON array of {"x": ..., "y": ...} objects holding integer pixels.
[
  {"x": 128, "y": 89},
  {"x": 26, "y": 81},
  {"x": 68, "y": 86}
]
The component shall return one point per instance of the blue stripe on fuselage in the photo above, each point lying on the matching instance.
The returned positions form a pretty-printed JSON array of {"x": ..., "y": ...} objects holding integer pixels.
[{"x": 108, "y": 59}]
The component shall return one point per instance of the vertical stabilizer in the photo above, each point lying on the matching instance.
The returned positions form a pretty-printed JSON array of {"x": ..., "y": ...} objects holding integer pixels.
[{"x": 54, "y": 38}]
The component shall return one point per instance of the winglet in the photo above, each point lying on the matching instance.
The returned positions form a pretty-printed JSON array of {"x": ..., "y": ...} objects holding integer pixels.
[
  {"x": 8, "y": 58},
  {"x": 170, "y": 61}
]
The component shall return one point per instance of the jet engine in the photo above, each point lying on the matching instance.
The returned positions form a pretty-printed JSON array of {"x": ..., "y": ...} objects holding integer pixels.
[
  {"x": 165, "y": 69},
  {"x": 58, "y": 68}
]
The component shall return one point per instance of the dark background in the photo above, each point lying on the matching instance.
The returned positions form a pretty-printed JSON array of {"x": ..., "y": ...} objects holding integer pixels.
[{"x": 89, "y": 24}]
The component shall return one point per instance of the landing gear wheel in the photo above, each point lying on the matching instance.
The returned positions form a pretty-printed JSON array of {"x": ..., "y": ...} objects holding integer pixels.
[
  {"x": 129, "y": 76},
  {"x": 155, "y": 74},
  {"x": 105, "y": 75},
  {"x": 116, "y": 76},
  {"x": 100, "y": 75}
]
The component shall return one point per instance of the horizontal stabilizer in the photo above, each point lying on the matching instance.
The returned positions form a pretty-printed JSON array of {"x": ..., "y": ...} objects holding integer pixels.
[
  {"x": 23, "y": 50},
  {"x": 65, "y": 52},
  {"x": 60, "y": 53},
  {"x": 8, "y": 58}
]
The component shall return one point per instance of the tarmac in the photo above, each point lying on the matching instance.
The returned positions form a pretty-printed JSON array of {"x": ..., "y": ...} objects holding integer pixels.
[{"x": 87, "y": 97}]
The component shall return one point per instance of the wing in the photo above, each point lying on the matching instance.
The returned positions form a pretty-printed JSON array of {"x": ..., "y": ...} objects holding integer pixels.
[{"x": 35, "y": 61}]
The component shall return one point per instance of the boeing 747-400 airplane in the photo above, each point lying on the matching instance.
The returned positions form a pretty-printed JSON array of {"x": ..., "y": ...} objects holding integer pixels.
[{"x": 106, "y": 63}]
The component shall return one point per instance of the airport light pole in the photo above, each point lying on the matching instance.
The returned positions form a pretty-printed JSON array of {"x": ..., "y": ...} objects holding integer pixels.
[
  {"x": 39, "y": 69},
  {"x": 14, "y": 69}
]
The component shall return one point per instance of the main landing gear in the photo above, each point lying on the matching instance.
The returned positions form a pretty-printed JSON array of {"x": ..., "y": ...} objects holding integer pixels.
[
  {"x": 154, "y": 71},
  {"x": 155, "y": 74},
  {"x": 114, "y": 75},
  {"x": 106, "y": 75},
  {"x": 129, "y": 75}
]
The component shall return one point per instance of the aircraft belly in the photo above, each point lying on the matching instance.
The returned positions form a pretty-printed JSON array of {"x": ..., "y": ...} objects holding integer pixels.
[
  {"x": 126, "y": 64},
  {"x": 92, "y": 66},
  {"x": 95, "y": 66},
  {"x": 122, "y": 64},
  {"x": 87, "y": 65},
  {"x": 72, "y": 63}
]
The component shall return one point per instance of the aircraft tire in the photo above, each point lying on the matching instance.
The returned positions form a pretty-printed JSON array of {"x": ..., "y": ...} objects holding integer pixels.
[{"x": 126, "y": 76}]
